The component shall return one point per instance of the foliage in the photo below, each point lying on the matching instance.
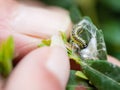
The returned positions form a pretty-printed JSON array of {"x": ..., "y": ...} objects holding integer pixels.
[
  {"x": 6, "y": 56},
  {"x": 104, "y": 13},
  {"x": 101, "y": 74}
]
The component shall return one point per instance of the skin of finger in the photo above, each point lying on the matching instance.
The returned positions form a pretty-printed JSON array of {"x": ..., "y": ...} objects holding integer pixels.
[
  {"x": 26, "y": 42},
  {"x": 1, "y": 82},
  {"x": 110, "y": 59},
  {"x": 113, "y": 60},
  {"x": 40, "y": 22},
  {"x": 23, "y": 44},
  {"x": 33, "y": 73},
  {"x": 35, "y": 21}
]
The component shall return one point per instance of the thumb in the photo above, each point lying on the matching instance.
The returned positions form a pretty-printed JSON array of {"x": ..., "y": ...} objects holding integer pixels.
[{"x": 46, "y": 68}]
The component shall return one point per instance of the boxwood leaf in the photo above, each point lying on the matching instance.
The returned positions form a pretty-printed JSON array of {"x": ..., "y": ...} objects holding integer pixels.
[
  {"x": 76, "y": 83},
  {"x": 81, "y": 75},
  {"x": 108, "y": 69},
  {"x": 6, "y": 56},
  {"x": 45, "y": 42},
  {"x": 99, "y": 79}
]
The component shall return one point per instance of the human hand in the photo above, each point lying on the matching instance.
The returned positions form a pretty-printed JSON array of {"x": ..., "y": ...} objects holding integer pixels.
[{"x": 44, "y": 68}]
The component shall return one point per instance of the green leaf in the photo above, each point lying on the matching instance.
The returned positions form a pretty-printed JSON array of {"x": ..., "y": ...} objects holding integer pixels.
[
  {"x": 107, "y": 69},
  {"x": 98, "y": 79},
  {"x": 76, "y": 83},
  {"x": 45, "y": 43},
  {"x": 73, "y": 56},
  {"x": 75, "y": 14},
  {"x": 81, "y": 75},
  {"x": 89, "y": 44},
  {"x": 6, "y": 56},
  {"x": 64, "y": 37}
]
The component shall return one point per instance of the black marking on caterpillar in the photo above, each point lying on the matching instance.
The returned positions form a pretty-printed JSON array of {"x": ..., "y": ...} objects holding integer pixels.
[{"x": 76, "y": 38}]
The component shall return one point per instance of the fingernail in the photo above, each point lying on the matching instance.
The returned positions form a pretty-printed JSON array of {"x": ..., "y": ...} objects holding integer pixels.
[{"x": 58, "y": 64}]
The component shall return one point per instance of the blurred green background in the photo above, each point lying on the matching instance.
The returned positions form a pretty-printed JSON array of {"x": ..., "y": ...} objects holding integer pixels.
[{"x": 105, "y": 14}]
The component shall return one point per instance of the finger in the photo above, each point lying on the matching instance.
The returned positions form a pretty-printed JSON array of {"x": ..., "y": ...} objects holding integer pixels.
[
  {"x": 1, "y": 82},
  {"x": 28, "y": 29},
  {"x": 23, "y": 44},
  {"x": 43, "y": 69},
  {"x": 40, "y": 22},
  {"x": 113, "y": 60}
]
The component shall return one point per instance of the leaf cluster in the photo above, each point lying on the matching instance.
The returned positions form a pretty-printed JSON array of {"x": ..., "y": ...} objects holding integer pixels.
[{"x": 6, "y": 56}]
